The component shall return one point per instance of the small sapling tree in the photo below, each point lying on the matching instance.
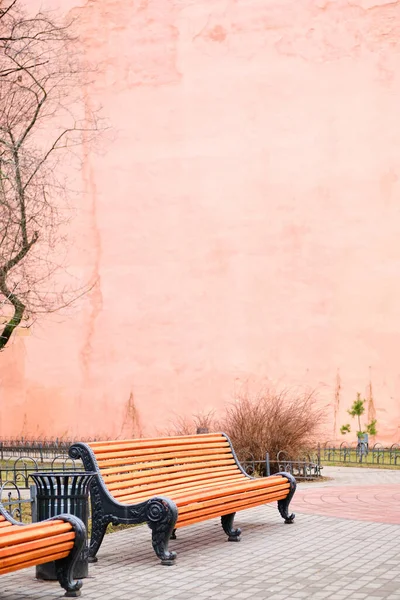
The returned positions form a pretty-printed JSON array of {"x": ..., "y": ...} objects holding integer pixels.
[{"x": 356, "y": 410}]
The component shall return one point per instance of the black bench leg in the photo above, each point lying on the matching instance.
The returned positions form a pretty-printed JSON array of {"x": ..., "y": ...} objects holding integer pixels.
[
  {"x": 161, "y": 516},
  {"x": 173, "y": 535},
  {"x": 227, "y": 526},
  {"x": 283, "y": 505},
  {"x": 65, "y": 566},
  {"x": 99, "y": 527}
]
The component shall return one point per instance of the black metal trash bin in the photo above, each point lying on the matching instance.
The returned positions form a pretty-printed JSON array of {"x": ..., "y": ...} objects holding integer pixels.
[{"x": 58, "y": 493}]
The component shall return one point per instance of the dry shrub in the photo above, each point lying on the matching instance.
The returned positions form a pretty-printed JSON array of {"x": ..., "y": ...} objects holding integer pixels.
[
  {"x": 202, "y": 422},
  {"x": 180, "y": 426},
  {"x": 205, "y": 422},
  {"x": 272, "y": 421}
]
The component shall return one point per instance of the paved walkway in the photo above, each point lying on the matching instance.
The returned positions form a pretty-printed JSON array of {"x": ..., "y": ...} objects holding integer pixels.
[
  {"x": 317, "y": 558},
  {"x": 363, "y": 494},
  {"x": 356, "y": 475}
]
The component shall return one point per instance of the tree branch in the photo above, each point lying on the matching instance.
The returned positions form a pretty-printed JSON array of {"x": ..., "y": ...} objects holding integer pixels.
[
  {"x": 19, "y": 256},
  {"x": 19, "y": 309},
  {"x": 4, "y": 11}
]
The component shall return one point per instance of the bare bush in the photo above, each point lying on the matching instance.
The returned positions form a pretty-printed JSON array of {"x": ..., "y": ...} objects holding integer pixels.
[
  {"x": 180, "y": 426},
  {"x": 199, "y": 422},
  {"x": 271, "y": 422}
]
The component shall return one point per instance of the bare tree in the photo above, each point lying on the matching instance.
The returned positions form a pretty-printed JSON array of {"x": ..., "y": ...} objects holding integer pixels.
[{"x": 42, "y": 117}]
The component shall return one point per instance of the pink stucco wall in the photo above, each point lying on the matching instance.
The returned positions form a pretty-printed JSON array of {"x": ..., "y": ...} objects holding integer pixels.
[{"x": 243, "y": 220}]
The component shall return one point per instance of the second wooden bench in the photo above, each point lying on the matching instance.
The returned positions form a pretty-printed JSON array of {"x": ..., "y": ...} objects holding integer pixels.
[{"x": 60, "y": 539}]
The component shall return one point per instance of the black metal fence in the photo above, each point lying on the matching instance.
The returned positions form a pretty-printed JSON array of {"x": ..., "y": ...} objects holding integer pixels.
[
  {"x": 361, "y": 454},
  {"x": 14, "y": 501},
  {"x": 304, "y": 468},
  {"x": 42, "y": 450},
  {"x": 15, "y": 481},
  {"x": 18, "y": 470},
  {"x": 309, "y": 466}
]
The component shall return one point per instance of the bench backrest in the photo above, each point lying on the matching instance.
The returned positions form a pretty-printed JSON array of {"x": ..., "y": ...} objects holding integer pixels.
[{"x": 150, "y": 465}]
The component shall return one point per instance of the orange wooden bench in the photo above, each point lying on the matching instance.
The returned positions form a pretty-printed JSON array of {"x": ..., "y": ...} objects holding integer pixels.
[
  {"x": 173, "y": 482},
  {"x": 60, "y": 539}
]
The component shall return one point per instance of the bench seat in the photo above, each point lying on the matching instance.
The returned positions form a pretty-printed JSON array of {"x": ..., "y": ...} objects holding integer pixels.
[
  {"x": 173, "y": 482},
  {"x": 60, "y": 539}
]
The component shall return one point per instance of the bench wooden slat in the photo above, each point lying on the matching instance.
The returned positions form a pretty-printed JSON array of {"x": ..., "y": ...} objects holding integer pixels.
[
  {"x": 229, "y": 509},
  {"x": 184, "y": 476},
  {"x": 184, "y": 495},
  {"x": 19, "y": 549},
  {"x": 137, "y": 466},
  {"x": 229, "y": 490},
  {"x": 144, "y": 457},
  {"x": 194, "y": 487},
  {"x": 176, "y": 482},
  {"x": 169, "y": 471},
  {"x": 17, "y": 535},
  {"x": 166, "y": 452},
  {"x": 218, "y": 498},
  {"x": 34, "y": 562},
  {"x": 35, "y": 556},
  {"x": 135, "y": 444},
  {"x": 43, "y": 524},
  {"x": 174, "y": 491}
]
